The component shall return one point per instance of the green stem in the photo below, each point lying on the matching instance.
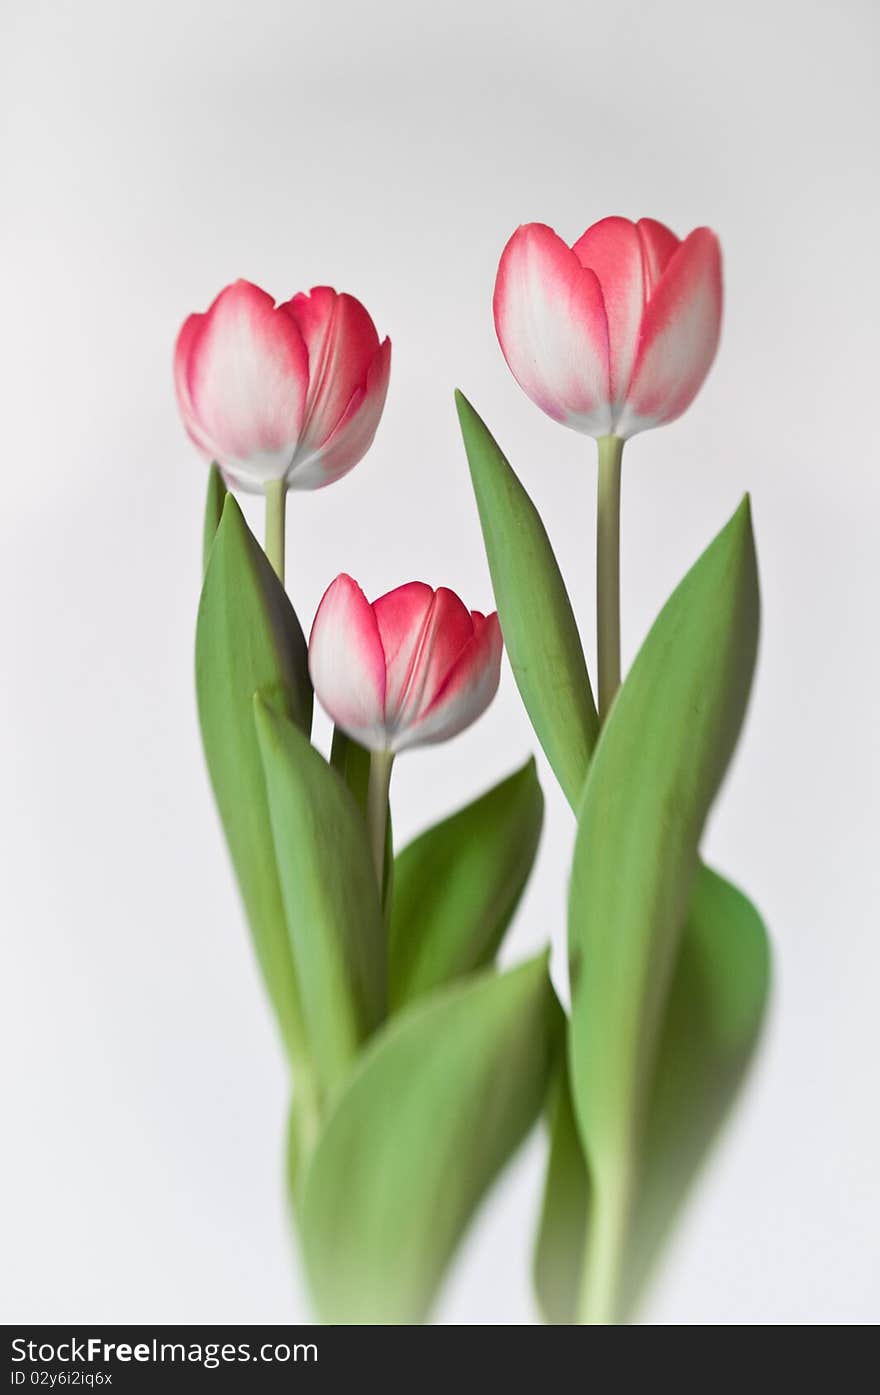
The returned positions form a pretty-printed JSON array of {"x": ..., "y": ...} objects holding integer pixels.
[
  {"x": 608, "y": 570},
  {"x": 276, "y": 510},
  {"x": 377, "y": 809},
  {"x": 606, "y": 1240},
  {"x": 609, "y": 1210}
]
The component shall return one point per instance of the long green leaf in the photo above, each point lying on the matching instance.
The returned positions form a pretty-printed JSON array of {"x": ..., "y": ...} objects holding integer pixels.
[
  {"x": 457, "y": 886},
  {"x": 330, "y": 896},
  {"x": 562, "y": 1229},
  {"x": 659, "y": 761},
  {"x": 711, "y": 1026},
  {"x": 353, "y": 763},
  {"x": 439, "y": 1102},
  {"x": 248, "y": 638},
  {"x": 540, "y": 633}
]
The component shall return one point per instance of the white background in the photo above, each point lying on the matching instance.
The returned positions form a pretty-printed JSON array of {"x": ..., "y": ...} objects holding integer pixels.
[{"x": 152, "y": 154}]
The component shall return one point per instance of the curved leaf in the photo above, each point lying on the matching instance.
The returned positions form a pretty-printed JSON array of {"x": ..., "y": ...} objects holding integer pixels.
[
  {"x": 330, "y": 896},
  {"x": 248, "y": 638},
  {"x": 562, "y": 1229},
  {"x": 661, "y": 756},
  {"x": 457, "y": 886},
  {"x": 540, "y": 633},
  {"x": 441, "y": 1099},
  {"x": 711, "y": 1026},
  {"x": 353, "y": 763}
]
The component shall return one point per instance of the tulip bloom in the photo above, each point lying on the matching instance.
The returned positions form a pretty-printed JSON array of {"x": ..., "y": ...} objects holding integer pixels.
[
  {"x": 413, "y": 668},
  {"x": 613, "y": 335},
  {"x": 290, "y": 393}
]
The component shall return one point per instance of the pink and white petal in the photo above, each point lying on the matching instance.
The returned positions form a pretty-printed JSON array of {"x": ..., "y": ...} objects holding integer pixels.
[
  {"x": 183, "y": 350},
  {"x": 342, "y": 342},
  {"x": 680, "y": 335},
  {"x": 551, "y": 325},
  {"x": 347, "y": 662},
  {"x": 352, "y": 438},
  {"x": 247, "y": 380},
  {"x": 467, "y": 691},
  {"x": 446, "y": 631},
  {"x": 658, "y": 244},
  {"x": 612, "y": 248},
  {"x": 400, "y": 616}
]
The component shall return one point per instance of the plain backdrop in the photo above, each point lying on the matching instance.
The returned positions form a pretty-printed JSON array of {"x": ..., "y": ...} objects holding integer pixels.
[{"x": 151, "y": 154}]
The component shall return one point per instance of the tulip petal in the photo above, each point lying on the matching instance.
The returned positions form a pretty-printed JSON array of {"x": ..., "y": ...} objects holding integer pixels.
[
  {"x": 189, "y": 333},
  {"x": 400, "y": 616},
  {"x": 341, "y": 340},
  {"x": 552, "y": 328},
  {"x": 351, "y": 439},
  {"x": 347, "y": 662},
  {"x": 466, "y": 691},
  {"x": 658, "y": 244},
  {"x": 242, "y": 373},
  {"x": 612, "y": 249},
  {"x": 446, "y": 630},
  {"x": 680, "y": 335}
]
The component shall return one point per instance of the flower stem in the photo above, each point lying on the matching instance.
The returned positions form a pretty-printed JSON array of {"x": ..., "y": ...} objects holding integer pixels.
[
  {"x": 608, "y": 1222},
  {"x": 606, "y": 1239},
  {"x": 377, "y": 809},
  {"x": 276, "y": 510},
  {"x": 608, "y": 570}
]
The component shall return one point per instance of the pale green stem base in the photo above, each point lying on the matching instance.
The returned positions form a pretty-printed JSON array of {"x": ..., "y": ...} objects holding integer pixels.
[
  {"x": 608, "y": 571},
  {"x": 606, "y": 1242},
  {"x": 276, "y": 517},
  {"x": 381, "y": 763}
]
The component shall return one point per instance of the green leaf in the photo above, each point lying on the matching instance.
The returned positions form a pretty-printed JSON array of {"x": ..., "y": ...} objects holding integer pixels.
[
  {"x": 330, "y": 896},
  {"x": 659, "y": 761},
  {"x": 713, "y": 1020},
  {"x": 562, "y": 1230},
  {"x": 457, "y": 886},
  {"x": 441, "y": 1099},
  {"x": 540, "y": 633},
  {"x": 216, "y": 498},
  {"x": 711, "y": 1026},
  {"x": 353, "y": 763},
  {"x": 248, "y": 638}
]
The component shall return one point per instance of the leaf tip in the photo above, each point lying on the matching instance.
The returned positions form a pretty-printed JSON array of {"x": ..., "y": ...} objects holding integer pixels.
[
  {"x": 232, "y": 520},
  {"x": 466, "y": 413}
]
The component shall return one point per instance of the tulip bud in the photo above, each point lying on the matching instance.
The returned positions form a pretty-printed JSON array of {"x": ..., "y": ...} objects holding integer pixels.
[
  {"x": 290, "y": 392},
  {"x": 413, "y": 668},
  {"x": 613, "y": 335}
]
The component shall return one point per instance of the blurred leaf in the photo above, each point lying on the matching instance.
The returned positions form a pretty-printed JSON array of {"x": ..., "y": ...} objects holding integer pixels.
[
  {"x": 457, "y": 886},
  {"x": 353, "y": 763},
  {"x": 330, "y": 895},
  {"x": 439, "y": 1102},
  {"x": 540, "y": 633},
  {"x": 216, "y": 498},
  {"x": 711, "y": 1025},
  {"x": 562, "y": 1229},
  {"x": 661, "y": 756},
  {"x": 248, "y": 638}
]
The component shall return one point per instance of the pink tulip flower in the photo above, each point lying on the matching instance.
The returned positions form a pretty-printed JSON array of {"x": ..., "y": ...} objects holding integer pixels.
[
  {"x": 289, "y": 392},
  {"x": 615, "y": 334},
  {"x": 413, "y": 668}
]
